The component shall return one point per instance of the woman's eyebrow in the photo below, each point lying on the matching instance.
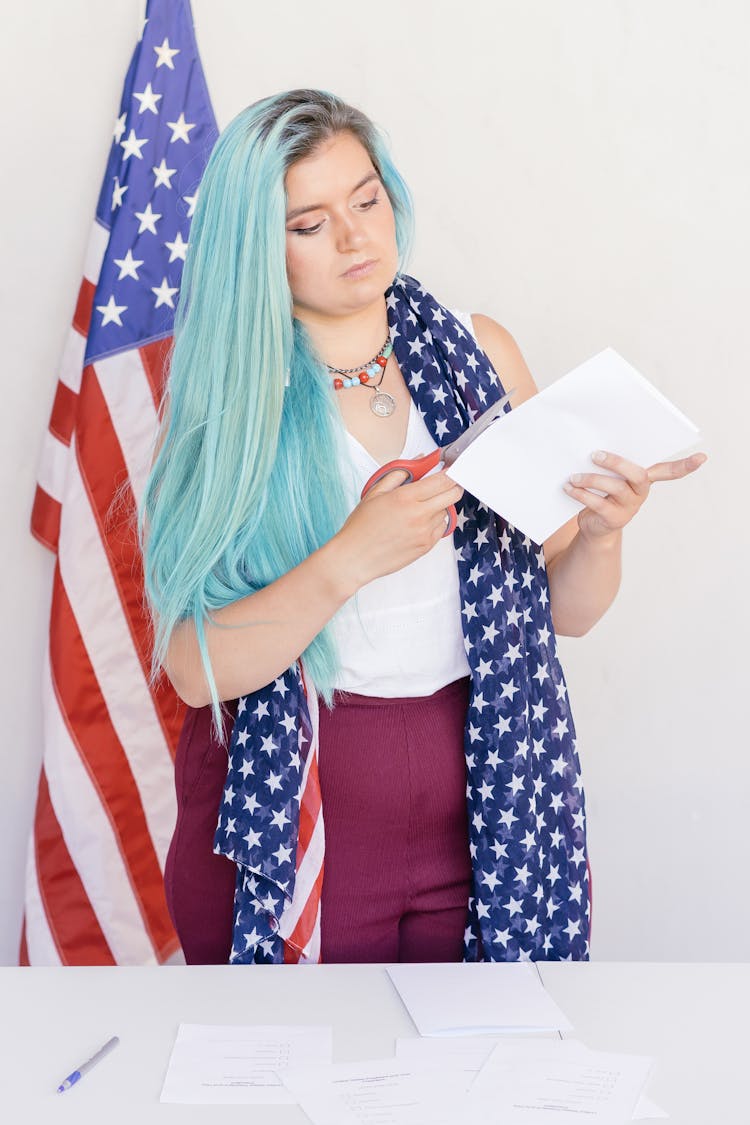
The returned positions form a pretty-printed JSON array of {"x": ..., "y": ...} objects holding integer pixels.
[{"x": 317, "y": 206}]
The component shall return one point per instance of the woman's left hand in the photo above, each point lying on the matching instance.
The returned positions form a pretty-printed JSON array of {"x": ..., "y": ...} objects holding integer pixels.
[{"x": 625, "y": 493}]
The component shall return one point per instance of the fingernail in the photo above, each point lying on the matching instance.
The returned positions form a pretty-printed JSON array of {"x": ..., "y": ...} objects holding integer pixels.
[
  {"x": 599, "y": 456},
  {"x": 568, "y": 487},
  {"x": 577, "y": 478}
]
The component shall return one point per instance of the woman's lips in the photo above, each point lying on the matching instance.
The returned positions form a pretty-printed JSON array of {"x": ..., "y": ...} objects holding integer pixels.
[{"x": 360, "y": 270}]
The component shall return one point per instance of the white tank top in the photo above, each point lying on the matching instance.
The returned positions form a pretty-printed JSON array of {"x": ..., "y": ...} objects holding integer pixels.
[{"x": 401, "y": 634}]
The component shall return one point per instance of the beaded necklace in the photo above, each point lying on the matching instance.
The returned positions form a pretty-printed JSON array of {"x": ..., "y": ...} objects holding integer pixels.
[{"x": 381, "y": 402}]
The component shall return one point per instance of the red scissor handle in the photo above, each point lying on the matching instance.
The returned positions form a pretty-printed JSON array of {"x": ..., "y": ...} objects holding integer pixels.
[{"x": 415, "y": 468}]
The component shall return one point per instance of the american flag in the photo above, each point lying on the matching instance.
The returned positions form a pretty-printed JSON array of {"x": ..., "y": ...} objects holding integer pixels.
[{"x": 106, "y": 806}]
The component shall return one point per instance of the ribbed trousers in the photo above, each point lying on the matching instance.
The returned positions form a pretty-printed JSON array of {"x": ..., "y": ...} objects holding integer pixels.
[{"x": 397, "y": 870}]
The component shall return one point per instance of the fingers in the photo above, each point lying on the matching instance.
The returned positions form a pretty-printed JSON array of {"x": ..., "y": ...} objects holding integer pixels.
[
  {"x": 674, "y": 470},
  {"x": 389, "y": 482},
  {"x": 614, "y": 487},
  {"x": 636, "y": 476},
  {"x": 431, "y": 485}
]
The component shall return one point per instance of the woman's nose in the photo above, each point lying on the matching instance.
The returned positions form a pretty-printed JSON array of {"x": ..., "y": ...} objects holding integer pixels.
[{"x": 350, "y": 233}]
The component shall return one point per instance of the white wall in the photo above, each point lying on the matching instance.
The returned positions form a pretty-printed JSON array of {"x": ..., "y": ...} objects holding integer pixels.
[{"x": 581, "y": 173}]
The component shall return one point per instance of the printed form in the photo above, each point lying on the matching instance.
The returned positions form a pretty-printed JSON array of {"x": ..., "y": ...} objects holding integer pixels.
[{"x": 229, "y": 1065}]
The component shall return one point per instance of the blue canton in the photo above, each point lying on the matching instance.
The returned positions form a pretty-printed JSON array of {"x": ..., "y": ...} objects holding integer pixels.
[{"x": 163, "y": 138}]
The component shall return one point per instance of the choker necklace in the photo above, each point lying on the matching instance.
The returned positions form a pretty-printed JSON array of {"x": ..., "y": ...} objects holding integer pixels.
[{"x": 381, "y": 402}]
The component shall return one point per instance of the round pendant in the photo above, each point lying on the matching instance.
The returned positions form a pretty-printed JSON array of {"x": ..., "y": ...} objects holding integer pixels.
[{"x": 382, "y": 404}]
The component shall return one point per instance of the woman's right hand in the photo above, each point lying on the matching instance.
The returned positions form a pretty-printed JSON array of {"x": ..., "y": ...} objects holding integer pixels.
[{"x": 394, "y": 524}]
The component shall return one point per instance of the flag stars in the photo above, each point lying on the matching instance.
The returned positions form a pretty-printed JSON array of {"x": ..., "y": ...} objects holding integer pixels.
[
  {"x": 111, "y": 312},
  {"x": 118, "y": 191},
  {"x": 165, "y": 54},
  {"x": 541, "y": 674},
  {"x": 273, "y": 781},
  {"x": 180, "y": 130},
  {"x": 132, "y": 146},
  {"x": 486, "y": 791},
  {"x": 279, "y": 819},
  {"x": 164, "y": 294},
  {"x": 147, "y": 100},
  {"x": 128, "y": 266},
  {"x": 148, "y": 219},
  {"x": 162, "y": 174},
  {"x": 490, "y": 879},
  {"x": 282, "y": 854},
  {"x": 573, "y": 927},
  {"x": 289, "y": 723},
  {"x": 177, "y": 249},
  {"x": 538, "y": 711},
  {"x": 119, "y": 127},
  {"x": 269, "y": 903}
]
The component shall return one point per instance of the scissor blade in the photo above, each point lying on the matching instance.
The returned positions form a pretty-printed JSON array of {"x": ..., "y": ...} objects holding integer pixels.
[{"x": 451, "y": 452}]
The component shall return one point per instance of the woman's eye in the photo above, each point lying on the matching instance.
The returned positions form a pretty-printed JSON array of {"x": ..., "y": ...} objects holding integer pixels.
[
  {"x": 312, "y": 230},
  {"x": 307, "y": 230}
]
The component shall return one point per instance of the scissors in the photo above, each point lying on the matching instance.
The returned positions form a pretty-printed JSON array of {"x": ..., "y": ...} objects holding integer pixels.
[{"x": 418, "y": 467}]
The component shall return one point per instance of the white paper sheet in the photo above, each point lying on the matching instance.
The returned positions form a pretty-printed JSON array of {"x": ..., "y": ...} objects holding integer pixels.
[
  {"x": 519, "y": 465},
  {"x": 228, "y": 1065},
  {"x": 546, "y": 1083},
  {"x": 472, "y": 998},
  {"x": 469, "y": 1054},
  {"x": 377, "y": 1092}
]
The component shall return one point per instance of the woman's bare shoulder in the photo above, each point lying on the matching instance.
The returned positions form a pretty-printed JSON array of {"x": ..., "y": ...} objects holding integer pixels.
[{"x": 505, "y": 356}]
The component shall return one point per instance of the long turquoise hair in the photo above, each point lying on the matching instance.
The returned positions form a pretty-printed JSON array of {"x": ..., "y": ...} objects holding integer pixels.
[{"x": 245, "y": 484}]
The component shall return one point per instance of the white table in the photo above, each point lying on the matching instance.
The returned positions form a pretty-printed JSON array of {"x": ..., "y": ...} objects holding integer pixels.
[{"x": 691, "y": 1018}]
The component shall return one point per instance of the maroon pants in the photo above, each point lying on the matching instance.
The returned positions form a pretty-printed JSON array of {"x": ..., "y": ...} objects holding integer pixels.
[{"x": 397, "y": 868}]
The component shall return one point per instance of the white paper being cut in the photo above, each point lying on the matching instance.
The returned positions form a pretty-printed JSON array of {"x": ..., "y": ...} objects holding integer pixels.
[{"x": 519, "y": 465}]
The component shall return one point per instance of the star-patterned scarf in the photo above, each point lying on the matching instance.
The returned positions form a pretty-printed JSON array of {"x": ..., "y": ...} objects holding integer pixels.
[{"x": 530, "y": 894}]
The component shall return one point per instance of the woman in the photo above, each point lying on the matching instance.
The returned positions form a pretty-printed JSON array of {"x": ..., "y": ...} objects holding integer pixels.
[{"x": 441, "y": 770}]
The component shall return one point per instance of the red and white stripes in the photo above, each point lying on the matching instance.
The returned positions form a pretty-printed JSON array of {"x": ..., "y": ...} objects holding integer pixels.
[
  {"x": 106, "y": 807},
  {"x": 300, "y": 922}
]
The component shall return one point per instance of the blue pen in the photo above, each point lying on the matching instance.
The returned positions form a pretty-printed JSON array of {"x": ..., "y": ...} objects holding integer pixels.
[{"x": 74, "y": 1077}]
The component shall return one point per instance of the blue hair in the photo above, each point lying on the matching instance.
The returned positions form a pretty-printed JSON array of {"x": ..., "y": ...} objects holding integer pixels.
[{"x": 238, "y": 493}]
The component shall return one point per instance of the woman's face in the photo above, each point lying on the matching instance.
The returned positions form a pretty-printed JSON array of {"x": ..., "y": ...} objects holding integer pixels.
[{"x": 338, "y": 216}]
